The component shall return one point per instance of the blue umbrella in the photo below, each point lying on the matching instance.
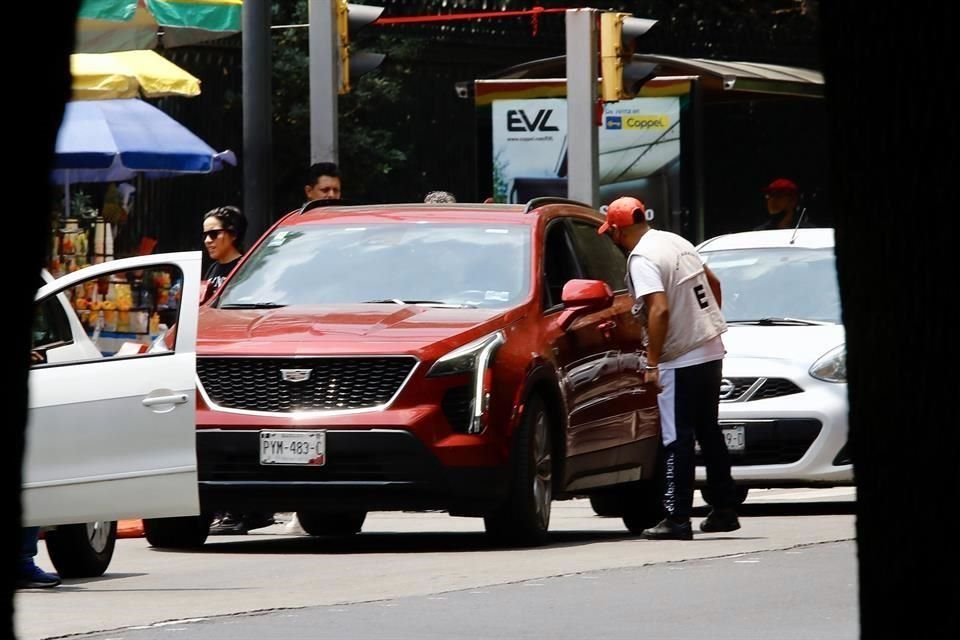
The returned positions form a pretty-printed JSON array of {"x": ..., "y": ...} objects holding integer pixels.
[{"x": 113, "y": 140}]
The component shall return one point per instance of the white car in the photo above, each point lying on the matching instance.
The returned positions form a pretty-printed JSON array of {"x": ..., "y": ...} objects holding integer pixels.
[
  {"x": 783, "y": 397},
  {"x": 110, "y": 431}
]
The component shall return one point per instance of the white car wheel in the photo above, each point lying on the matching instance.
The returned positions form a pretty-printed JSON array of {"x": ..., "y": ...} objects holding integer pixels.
[{"x": 82, "y": 550}]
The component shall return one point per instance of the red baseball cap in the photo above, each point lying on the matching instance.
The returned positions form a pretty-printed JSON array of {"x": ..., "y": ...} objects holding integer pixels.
[
  {"x": 620, "y": 213},
  {"x": 782, "y": 184}
]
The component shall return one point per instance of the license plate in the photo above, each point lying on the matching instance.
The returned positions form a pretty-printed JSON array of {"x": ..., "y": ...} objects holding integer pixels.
[
  {"x": 734, "y": 436},
  {"x": 307, "y": 448}
]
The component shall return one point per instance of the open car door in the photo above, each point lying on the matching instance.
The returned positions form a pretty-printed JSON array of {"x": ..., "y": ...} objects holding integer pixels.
[{"x": 111, "y": 429}]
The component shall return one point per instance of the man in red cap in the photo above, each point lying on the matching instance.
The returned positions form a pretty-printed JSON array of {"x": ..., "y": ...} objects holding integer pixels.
[
  {"x": 783, "y": 197},
  {"x": 678, "y": 299}
]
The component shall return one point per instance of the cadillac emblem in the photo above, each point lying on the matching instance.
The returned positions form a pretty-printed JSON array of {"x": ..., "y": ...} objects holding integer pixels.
[{"x": 295, "y": 375}]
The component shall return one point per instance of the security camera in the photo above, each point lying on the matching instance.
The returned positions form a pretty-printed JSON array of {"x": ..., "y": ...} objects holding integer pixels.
[{"x": 462, "y": 89}]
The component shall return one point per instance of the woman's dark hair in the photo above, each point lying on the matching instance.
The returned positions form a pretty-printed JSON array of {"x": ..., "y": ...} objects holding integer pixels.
[{"x": 232, "y": 220}]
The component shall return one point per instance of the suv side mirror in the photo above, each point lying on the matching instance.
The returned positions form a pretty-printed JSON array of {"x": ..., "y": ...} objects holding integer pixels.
[{"x": 581, "y": 297}]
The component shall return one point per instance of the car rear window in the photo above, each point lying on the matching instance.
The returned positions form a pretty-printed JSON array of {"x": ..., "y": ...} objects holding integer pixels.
[{"x": 475, "y": 265}]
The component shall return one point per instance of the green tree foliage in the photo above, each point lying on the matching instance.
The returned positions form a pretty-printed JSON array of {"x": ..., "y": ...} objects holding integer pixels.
[{"x": 373, "y": 117}]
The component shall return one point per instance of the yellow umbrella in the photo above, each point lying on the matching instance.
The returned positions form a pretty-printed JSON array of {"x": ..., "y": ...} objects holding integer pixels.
[{"x": 129, "y": 74}]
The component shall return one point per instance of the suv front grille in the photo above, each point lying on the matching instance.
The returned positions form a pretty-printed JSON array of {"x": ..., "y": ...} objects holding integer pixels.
[{"x": 325, "y": 384}]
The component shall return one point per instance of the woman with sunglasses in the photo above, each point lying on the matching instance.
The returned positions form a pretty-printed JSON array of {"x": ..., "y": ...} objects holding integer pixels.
[{"x": 223, "y": 231}]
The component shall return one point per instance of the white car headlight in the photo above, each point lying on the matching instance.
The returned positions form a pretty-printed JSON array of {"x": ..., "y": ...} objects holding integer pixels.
[
  {"x": 474, "y": 357},
  {"x": 831, "y": 366}
]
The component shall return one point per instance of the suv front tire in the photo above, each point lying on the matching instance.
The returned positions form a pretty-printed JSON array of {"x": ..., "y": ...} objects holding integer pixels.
[{"x": 524, "y": 519}]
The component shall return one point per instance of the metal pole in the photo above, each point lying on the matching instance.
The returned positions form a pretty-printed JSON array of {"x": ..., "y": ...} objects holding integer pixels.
[
  {"x": 324, "y": 81},
  {"x": 583, "y": 174},
  {"x": 699, "y": 213},
  {"x": 257, "y": 120}
]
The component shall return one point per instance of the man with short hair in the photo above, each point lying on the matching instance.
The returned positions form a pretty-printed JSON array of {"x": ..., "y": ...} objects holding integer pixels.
[
  {"x": 322, "y": 182},
  {"x": 678, "y": 299},
  {"x": 783, "y": 199}
]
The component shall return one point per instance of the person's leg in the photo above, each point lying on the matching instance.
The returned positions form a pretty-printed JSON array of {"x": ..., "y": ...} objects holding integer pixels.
[
  {"x": 685, "y": 411},
  {"x": 28, "y": 547},
  {"x": 704, "y": 391},
  {"x": 713, "y": 448},
  {"x": 31, "y": 576},
  {"x": 676, "y": 438}
]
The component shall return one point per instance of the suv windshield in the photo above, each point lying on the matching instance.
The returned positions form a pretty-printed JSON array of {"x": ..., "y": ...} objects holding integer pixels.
[
  {"x": 760, "y": 284},
  {"x": 482, "y": 265}
]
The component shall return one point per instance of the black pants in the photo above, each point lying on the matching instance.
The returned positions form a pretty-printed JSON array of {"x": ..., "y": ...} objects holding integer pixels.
[{"x": 689, "y": 404}]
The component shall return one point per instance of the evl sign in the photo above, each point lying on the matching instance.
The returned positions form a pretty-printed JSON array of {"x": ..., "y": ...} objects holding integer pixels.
[{"x": 519, "y": 120}]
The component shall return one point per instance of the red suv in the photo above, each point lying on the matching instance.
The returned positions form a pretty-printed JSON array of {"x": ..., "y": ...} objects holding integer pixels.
[{"x": 477, "y": 359}]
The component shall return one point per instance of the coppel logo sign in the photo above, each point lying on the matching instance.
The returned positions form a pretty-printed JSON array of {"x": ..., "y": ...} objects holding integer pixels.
[{"x": 650, "y": 122}]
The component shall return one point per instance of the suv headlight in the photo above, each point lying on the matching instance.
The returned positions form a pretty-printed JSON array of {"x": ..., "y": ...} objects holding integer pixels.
[
  {"x": 474, "y": 357},
  {"x": 469, "y": 357},
  {"x": 832, "y": 366}
]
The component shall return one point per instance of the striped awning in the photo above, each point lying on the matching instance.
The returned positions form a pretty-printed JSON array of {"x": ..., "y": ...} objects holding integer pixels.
[{"x": 122, "y": 25}]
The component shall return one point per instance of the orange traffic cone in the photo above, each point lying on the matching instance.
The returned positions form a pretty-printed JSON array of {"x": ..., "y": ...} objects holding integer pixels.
[{"x": 130, "y": 529}]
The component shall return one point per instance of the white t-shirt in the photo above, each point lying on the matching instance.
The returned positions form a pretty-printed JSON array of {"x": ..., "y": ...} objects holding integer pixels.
[{"x": 646, "y": 280}]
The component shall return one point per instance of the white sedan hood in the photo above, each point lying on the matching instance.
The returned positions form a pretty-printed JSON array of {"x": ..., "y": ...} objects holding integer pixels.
[{"x": 796, "y": 345}]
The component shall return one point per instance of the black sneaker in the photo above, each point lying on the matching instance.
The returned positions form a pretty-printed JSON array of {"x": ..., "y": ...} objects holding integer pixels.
[
  {"x": 228, "y": 525},
  {"x": 668, "y": 529},
  {"x": 720, "y": 520}
]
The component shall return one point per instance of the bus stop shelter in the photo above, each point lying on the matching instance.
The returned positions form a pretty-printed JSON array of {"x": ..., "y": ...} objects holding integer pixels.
[{"x": 737, "y": 126}]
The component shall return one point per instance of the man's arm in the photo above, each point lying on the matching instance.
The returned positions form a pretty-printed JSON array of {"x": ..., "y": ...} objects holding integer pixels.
[
  {"x": 648, "y": 285},
  {"x": 658, "y": 319},
  {"x": 714, "y": 282}
]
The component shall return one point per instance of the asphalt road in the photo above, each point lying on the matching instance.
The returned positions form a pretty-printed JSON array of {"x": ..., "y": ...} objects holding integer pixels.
[{"x": 788, "y": 573}]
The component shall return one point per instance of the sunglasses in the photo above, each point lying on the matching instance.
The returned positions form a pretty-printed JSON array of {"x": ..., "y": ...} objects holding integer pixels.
[{"x": 212, "y": 234}]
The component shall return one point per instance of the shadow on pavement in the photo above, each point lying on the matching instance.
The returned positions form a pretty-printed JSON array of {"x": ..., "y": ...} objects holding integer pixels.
[
  {"x": 761, "y": 509},
  {"x": 460, "y": 542},
  {"x": 388, "y": 542}
]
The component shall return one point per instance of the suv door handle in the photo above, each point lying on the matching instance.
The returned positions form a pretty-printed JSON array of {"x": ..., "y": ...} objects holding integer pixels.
[{"x": 607, "y": 325}]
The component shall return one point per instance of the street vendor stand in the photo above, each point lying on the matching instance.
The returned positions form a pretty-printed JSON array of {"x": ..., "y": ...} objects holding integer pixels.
[{"x": 108, "y": 141}]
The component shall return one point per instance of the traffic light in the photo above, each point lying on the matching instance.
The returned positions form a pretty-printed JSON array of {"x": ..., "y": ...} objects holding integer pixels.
[
  {"x": 620, "y": 77},
  {"x": 350, "y": 19}
]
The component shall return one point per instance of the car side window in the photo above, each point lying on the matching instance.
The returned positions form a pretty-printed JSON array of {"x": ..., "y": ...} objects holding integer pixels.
[
  {"x": 120, "y": 314},
  {"x": 602, "y": 259},
  {"x": 50, "y": 324},
  {"x": 559, "y": 264}
]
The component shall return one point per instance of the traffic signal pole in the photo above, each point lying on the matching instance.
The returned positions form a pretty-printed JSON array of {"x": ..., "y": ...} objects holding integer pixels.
[
  {"x": 583, "y": 164},
  {"x": 257, "y": 121},
  {"x": 324, "y": 80}
]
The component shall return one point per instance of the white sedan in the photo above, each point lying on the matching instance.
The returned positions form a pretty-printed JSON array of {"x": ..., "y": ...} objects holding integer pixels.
[
  {"x": 783, "y": 397},
  {"x": 111, "y": 425}
]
